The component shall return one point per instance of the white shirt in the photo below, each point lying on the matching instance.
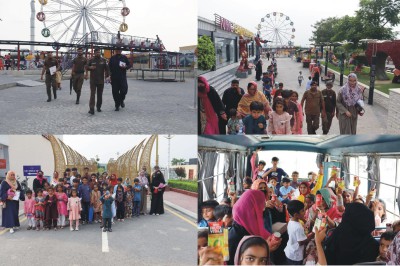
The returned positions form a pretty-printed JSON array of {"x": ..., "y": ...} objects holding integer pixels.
[
  {"x": 293, "y": 250},
  {"x": 71, "y": 180}
]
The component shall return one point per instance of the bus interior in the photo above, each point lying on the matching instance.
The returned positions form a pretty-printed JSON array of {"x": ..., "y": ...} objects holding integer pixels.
[{"x": 374, "y": 158}]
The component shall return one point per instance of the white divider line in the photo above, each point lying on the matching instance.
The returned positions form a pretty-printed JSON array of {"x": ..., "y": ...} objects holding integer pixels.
[{"x": 104, "y": 242}]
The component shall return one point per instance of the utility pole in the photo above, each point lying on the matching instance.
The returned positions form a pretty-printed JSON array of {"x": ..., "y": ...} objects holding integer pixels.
[
  {"x": 169, "y": 137},
  {"x": 33, "y": 11}
]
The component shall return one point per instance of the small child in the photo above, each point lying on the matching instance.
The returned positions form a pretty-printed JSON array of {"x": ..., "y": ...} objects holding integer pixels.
[
  {"x": 29, "y": 209},
  {"x": 129, "y": 202},
  {"x": 255, "y": 123},
  {"x": 74, "y": 207},
  {"x": 137, "y": 198},
  {"x": 62, "y": 201},
  {"x": 224, "y": 213},
  {"x": 273, "y": 181},
  {"x": 120, "y": 203},
  {"x": 96, "y": 203},
  {"x": 202, "y": 242},
  {"x": 300, "y": 78},
  {"x": 234, "y": 123},
  {"x": 107, "y": 201},
  {"x": 279, "y": 119},
  {"x": 286, "y": 191},
  {"x": 297, "y": 239},
  {"x": 39, "y": 209},
  {"x": 51, "y": 212},
  {"x": 308, "y": 84},
  {"x": 267, "y": 84},
  {"x": 207, "y": 210},
  {"x": 384, "y": 243}
]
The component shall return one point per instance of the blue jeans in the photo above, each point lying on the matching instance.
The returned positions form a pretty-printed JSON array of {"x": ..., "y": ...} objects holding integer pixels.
[{"x": 136, "y": 208}]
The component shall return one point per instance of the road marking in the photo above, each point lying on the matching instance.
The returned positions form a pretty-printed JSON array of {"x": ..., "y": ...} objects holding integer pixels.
[
  {"x": 104, "y": 242},
  {"x": 180, "y": 216},
  {"x": 6, "y": 230}
]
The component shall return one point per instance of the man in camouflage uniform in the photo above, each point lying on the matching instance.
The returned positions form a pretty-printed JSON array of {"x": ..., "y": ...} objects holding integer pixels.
[
  {"x": 78, "y": 71},
  {"x": 98, "y": 70},
  {"x": 50, "y": 79}
]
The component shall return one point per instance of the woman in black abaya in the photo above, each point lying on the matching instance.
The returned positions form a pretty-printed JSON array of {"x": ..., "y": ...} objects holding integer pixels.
[{"x": 157, "y": 186}]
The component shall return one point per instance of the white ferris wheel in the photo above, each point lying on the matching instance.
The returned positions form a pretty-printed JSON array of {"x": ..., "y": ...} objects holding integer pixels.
[
  {"x": 277, "y": 28},
  {"x": 68, "y": 21}
]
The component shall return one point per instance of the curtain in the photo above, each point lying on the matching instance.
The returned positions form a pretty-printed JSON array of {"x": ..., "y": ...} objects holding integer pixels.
[
  {"x": 207, "y": 161},
  {"x": 345, "y": 170},
  {"x": 373, "y": 172}
]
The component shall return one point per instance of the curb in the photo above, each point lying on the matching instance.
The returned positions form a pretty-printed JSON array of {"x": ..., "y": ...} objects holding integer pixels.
[{"x": 180, "y": 209}]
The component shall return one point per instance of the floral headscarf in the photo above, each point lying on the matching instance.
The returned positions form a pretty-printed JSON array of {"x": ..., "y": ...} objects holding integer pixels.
[
  {"x": 11, "y": 182},
  {"x": 351, "y": 96}
]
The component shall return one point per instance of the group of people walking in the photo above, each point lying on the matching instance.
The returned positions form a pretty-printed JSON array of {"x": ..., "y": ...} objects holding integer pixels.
[
  {"x": 274, "y": 109},
  {"x": 80, "y": 199},
  {"x": 101, "y": 72}
]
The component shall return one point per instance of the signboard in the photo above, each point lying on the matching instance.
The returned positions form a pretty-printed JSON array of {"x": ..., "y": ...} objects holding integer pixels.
[
  {"x": 31, "y": 170},
  {"x": 229, "y": 26},
  {"x": 3, "y": 163}
]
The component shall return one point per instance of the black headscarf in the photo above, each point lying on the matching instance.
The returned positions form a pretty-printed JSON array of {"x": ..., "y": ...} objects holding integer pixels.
[{"x": 351, "y": 242}]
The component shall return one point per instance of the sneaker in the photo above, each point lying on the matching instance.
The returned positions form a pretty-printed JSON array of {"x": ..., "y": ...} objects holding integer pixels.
[
  {"x": 71, "y": 229},
  {"x": 104, "y": 230},
  {"x": 122, "y": 104},
  {"x": 29, "y": 228},
  {"x": 11, "y": 231},
  {"x": 77, "y": 229},
  {"x": 122, "y": 220},
  {"x": 55, "y": 229},
  {"x": 157, "y": 214},
  {"x": 153, "y": 214},
  {"x": 110, "y": 230},
  {"x": 37, "y": 229}
]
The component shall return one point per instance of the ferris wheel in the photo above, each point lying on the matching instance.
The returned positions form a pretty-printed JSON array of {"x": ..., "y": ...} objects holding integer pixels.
[
  {"x": 277, "y": 28},
  {"x": 68, "y": 21}
]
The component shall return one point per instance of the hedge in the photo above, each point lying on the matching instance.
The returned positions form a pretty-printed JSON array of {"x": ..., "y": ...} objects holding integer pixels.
[{"x": 187, "y": 185}]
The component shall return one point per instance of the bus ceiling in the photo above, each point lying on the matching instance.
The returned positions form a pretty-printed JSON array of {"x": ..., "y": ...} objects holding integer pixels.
[{"x": 333, "y": 145}]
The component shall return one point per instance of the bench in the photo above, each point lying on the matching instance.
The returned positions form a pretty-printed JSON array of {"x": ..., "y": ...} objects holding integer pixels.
[{"x": 162, "y": 71}]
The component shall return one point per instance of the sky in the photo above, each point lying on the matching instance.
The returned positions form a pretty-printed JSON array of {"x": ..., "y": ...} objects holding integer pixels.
[
  {"x": 107, "y": 146},
  {"x": 302, "y": 13},
  {"x": 174, "y": 21}
]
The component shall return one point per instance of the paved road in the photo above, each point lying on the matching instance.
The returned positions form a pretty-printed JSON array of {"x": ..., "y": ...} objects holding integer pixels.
[
  {"x": 168, "y": 239},
  {"x": 151, "y": 107},
  {"x": 374, "y": 120}
]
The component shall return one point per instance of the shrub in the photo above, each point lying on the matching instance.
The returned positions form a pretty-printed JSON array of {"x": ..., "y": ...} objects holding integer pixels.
[
  {"x": 180, "y": 171},
  {"x": 206, "y": 53},
  {"x": 187, "y": 185}
]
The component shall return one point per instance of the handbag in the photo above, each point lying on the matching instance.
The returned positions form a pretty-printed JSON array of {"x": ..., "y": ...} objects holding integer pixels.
[{"x": 155, "y": 190}]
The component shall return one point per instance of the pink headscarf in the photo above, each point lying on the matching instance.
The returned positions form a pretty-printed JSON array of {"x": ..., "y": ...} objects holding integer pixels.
[
  {"x": 244, "y": 239},
  {"x": 212, "y": 118},
  {"x": 248, "y": 212},
  {"x": 41, "y": 179}
]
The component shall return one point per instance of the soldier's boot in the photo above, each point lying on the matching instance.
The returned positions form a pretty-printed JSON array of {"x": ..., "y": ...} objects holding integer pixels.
[{"x": 78, "y": 95}]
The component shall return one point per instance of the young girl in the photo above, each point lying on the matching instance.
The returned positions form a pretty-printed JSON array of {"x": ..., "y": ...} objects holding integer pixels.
[
  {"x": 39, "y": 209},
  {"x": 251, "y": 248},
  {"x": 51, "y": 212},
  {"x": 96, "y": 203},
  {"x": 29, "y": 209},
  {"x": 298, "y": 125},
  {"x": 62, "y": 201},
  {"x": 120, "y": 203},
  {"x": 74, "y": 207},
  {"x": 129, "y": 202},
  {"x": 279, "y": 119}
]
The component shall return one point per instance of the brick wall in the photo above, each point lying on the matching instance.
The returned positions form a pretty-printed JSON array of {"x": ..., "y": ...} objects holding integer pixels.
[{"x": 394, "y": 112}]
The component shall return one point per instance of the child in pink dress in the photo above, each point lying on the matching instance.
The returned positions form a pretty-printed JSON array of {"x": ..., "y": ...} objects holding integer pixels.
[
  {"x": 74, "y": 207},
  {"x": 298, "y": 125},
  {"x": 279, "y": 119},
  {"x": 29, "y": 209},
  {"x": 62, "y": 201}
]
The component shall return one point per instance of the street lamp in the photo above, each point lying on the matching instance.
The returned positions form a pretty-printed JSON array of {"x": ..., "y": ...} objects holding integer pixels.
[
  {"x": 169, "y": 137},
  {"x": 372, "y": 69}
]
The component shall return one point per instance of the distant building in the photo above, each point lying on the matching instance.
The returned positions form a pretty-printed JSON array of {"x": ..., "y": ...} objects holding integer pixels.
[{"x": 190, "y": 49}]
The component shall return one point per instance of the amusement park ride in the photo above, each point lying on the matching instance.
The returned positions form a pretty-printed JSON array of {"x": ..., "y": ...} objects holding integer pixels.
[{"x": 88, "y": 24}]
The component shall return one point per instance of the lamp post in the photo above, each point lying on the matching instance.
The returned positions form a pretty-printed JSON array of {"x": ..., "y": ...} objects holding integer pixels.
[
  {"x": 326, "y": 62},
  {"x": 342, "y": 68},
  {"x": 169, "y": 137}
]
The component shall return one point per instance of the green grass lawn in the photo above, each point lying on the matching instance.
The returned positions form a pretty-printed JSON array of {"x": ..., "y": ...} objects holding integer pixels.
[{"x": 363, "y": 77}]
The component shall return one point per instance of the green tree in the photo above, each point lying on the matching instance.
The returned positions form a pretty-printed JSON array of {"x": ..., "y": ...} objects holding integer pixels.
[
  {"x": 176, "y": 161},
  {"x": 323, "y": 30},
  {"x": 180, "y": 171},
  {"x": 206, "y": 53}
]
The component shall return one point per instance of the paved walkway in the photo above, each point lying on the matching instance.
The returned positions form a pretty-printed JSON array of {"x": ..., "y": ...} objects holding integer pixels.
[
  {"x": 151, "y": 107},
  {"x": 187, "y": 202},
  {"x": 374, "y": 120}
]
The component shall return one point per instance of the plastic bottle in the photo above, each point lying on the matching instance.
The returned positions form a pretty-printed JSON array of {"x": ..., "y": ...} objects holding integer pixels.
[{"x": 240, "y": 132}]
